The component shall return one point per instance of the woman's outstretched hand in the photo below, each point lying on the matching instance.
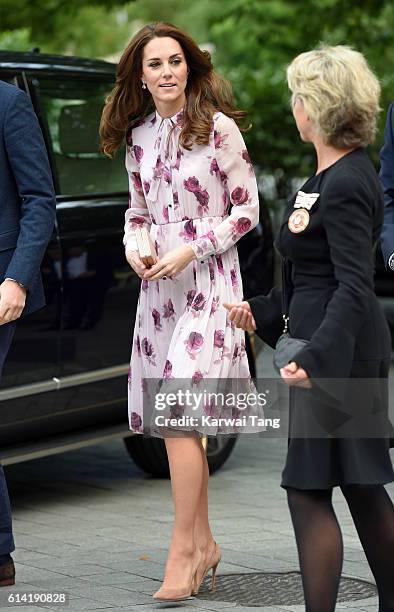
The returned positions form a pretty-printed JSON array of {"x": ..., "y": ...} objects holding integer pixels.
[
  {"x": 293, "y": 375},
  {"x": 171, "y": 264},
  {"x": 242, "y": 316}
]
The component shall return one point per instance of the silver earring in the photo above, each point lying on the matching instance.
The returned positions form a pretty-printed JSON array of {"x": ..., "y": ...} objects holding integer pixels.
[{"x": 143, "y": 85}]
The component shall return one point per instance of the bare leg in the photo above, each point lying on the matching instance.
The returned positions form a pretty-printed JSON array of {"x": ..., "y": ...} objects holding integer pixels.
[
  {"x": 186, "y": 469},
  {"x": 202, "y": 531}
]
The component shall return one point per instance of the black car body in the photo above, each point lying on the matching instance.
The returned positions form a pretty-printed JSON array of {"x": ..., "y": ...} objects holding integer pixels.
[{"x": 64, "y": 383}]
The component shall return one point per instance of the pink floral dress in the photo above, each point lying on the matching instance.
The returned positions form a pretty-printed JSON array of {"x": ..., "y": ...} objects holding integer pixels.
[{"x": 207, "y": 198}]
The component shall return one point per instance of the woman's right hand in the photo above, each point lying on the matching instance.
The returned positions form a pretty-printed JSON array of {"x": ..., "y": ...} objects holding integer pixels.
[
  {"x": 242, "y": 316},
  {"x": 135, "y": 262}
]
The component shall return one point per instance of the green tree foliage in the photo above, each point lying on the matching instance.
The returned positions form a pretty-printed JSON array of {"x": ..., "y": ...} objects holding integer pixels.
[
  {"x": 253, "y": 41},
  {"x": 256, "y": 39},
  {"x": 43, "y": 16}
]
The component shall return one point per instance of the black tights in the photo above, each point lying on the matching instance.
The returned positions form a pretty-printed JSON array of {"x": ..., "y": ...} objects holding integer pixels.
[{"x": 319, "y": 541}]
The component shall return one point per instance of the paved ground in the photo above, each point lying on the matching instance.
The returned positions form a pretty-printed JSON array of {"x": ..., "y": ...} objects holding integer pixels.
[{"x": 90, "y": 524}]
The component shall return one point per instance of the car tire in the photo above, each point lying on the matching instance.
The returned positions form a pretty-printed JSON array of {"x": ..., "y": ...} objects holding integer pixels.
[{"x": 151, "y": 456}]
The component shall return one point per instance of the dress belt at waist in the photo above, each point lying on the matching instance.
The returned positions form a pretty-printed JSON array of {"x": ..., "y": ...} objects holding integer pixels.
[{"x": 183, "y": 221}]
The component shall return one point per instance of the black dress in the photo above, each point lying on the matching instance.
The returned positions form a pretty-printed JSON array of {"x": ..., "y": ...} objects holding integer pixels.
[{"x": 333, "y": 305}]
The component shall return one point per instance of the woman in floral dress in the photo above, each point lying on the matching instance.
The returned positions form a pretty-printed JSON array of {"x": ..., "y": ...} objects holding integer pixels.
[{"x": 193, "y": 187}]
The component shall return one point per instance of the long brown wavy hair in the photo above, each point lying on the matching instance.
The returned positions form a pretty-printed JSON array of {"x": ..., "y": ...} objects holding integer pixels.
[{"x": 206, "y": 92}]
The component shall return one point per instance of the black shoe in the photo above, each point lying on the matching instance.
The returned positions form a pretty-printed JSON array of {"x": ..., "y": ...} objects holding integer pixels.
[{"x": 7, "y": 573}]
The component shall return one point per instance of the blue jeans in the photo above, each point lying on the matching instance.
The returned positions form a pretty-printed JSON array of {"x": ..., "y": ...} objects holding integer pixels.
[{"x": 6, "y": 538}]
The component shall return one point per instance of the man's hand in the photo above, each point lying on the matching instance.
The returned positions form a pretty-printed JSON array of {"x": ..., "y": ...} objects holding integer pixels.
[
  {"x": 293, "y": 375},
  {"x": 241, "y": 315},
  {"x": 12, "y": 301}
]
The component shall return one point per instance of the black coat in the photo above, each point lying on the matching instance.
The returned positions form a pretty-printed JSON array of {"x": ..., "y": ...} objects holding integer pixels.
[
  {"x": 332, "y": 303},
  {"x": 330, "y": 269}
]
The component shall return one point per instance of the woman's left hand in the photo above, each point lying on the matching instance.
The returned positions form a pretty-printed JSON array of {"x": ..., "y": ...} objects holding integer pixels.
[
  {"x": 171, "y": 264},
  {"x": 293, "y": 375}
]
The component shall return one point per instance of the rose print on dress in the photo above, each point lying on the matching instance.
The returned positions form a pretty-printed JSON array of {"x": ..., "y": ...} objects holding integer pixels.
[
  {"x": 218, "y": 340},
  {"x": 146, "y": 187},
  {"x": 167, "y": 176},
  {"x": 138, "y": 153},
  {"x": 214, "y": 305},
  {"x": 144, "y": 285},
  {"x": 194, "y": 344},
  {"x": 203, "y": 200},
  {"x": 197, "y": 377},
  {"x": 214, "y": 169},
  {"x": 158, "y": 169},
  {"x": 234, "y": 278},
  {"x": 138, "y": 345},
  {"x": 211, "y": 272},
  {"x": 189, "y": 231},
  {"x": 192, "y": 184},
  {"x": 219, "y": 139},
  {"x": 135, "y": 421},
  {"x": 165, "y": 214},
  {"x": 156, "y": 319},
  {"x": 240, "y": 226},
  {"x": 190, "y": 297},
  {"x": 239, "y": 195},
  {"x": 205, "y": 241},
  {"x": 198, "y": 302},
  {"x": 178, "y": 159},
  {"x": 176, "y": 411},
  {"x": 175, "y": 199},
  {"x": 219, "y": 262},
  {"x": 226, "y": 202},
  {"x": 147, "y": 350},
  {"x": 167, "y": 373},
  {"x": 168, "y": 310},
  {"x": 211, "y": 409}
]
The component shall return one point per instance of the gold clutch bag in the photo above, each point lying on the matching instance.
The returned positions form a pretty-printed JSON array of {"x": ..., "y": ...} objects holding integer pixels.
[{"x": 146, "y": 248}]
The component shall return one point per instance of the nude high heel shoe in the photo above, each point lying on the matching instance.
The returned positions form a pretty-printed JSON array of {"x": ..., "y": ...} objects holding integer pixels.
[
  {"x": 201, "y": 572},
  {"x": 177, "y": 594}
]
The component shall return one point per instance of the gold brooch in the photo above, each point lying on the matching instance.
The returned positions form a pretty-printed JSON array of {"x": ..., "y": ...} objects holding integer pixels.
[{"x": 298, "y": 220}]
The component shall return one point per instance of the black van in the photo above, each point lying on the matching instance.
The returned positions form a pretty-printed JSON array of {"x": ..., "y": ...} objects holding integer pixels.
[{"x": 64, "y": 383}]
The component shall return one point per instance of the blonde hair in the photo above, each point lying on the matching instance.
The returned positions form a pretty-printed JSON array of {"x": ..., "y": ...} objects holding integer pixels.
[{"x": 340, "y": 93}]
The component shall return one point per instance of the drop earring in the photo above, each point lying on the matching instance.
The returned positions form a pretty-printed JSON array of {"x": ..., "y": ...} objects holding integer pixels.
[{"x": 143, "y": 85}]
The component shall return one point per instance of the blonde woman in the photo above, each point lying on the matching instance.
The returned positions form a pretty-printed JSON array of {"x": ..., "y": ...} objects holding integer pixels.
[{"x": 327, "y": 239}]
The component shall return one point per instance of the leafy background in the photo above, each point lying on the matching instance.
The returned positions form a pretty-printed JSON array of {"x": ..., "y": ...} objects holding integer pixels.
[{"x": 251, "y": 41}]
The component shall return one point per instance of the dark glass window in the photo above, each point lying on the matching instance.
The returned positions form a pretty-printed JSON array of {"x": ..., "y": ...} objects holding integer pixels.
[{"x": 73, "y": 109}]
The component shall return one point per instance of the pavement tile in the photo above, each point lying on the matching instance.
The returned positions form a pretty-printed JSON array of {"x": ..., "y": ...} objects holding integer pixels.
[
  {"x": 23, "y": 609},
  {"x": 111, "y": 595},
  {"x": 96, "y": 514},
  {"x": 114, "y": 579},
  {"x": 80, "y": 603}
]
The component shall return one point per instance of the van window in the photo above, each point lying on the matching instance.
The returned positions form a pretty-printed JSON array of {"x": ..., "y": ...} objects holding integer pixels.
[{"x": 73, "y": 110}]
